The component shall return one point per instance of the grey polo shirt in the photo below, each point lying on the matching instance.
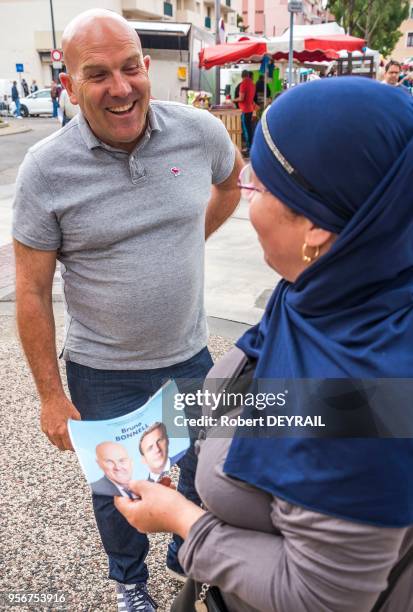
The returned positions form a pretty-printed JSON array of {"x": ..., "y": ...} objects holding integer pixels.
[{"x": 129, "y": 233}]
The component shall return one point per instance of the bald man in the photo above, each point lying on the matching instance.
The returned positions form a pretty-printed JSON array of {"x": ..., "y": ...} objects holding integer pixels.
[
  {"x": 123, "y": 197},
  {"x": 117, "y": 466}
]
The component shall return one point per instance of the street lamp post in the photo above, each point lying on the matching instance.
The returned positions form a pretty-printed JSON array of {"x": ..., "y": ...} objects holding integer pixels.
[
  {"x": 291, "y": 50},
  {"x": 54, "y": 70},
  {"x": 294, "y": 6},
  {"x": 217, "y": 41},
  {"x": 53, "y": 28}
]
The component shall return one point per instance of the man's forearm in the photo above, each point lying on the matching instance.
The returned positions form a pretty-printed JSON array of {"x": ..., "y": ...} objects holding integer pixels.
[
  {"x": 224, "y": 198},
  {"x": 36, "y": 326},
  {"x": 220, "y": 208}
]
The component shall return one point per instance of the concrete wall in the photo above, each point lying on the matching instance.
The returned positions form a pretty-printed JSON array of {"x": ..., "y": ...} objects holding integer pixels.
[
  {"x": 26, "y": 24},
  {"x": 147, "y": 9},
  {"x": 277, "y": 17},
  {"x": 163, "y": 74},
  {"x": 271, "y": 17},
  {"x": 401, "y": 51},
  {"x": 25, "y": 31}
]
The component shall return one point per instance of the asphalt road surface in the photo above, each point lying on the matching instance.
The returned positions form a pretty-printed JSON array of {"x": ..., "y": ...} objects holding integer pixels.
[{"x": 13, "y": 147}]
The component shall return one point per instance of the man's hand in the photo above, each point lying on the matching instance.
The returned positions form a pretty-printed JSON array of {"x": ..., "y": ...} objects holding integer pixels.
[
  {"x": 35, "y": 320},
  {"x": 53, "y": 420},
  {"x": 159, "y": 509}
]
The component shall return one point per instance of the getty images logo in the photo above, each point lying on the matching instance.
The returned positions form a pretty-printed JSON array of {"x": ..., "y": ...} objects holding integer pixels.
[{"x": 224, "y": 399}]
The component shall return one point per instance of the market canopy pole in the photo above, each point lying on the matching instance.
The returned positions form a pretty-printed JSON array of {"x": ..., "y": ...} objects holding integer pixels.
[
  {"x": 290, "y": 50},
  {"x": 294, "y": 6},
  {"x": 265, "y": 88}
]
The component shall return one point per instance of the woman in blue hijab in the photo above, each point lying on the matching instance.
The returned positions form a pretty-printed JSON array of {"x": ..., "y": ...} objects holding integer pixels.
[{"x": 304, "y": 523}]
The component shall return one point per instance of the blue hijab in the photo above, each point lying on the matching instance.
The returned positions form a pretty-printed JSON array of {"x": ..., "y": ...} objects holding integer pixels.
[{"x": 350, "y": 313}]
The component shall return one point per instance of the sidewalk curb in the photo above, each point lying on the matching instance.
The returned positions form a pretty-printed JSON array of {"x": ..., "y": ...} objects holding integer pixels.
[
  {"x": 7, "y": 269},
  {"x": 11, "y": 129}
]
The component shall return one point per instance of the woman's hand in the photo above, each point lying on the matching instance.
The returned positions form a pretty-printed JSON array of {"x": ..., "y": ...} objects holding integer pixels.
[{"x": 159, "y": 509}]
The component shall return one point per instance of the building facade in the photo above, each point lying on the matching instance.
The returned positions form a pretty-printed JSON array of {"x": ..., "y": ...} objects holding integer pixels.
[
  {"x": 404, "y": 48},
  {"x": 200, "y": 13},
  {"x": 271, "y": 17},
  {"x": 26, "y": 33}
]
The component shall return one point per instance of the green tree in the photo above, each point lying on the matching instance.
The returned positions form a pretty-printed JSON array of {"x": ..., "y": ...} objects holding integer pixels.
[{"x": 377, "y": 21}]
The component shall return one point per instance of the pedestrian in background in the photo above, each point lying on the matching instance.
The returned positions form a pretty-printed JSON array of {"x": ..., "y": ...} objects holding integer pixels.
[
  {"x": 33, "y": 87},
  {"x": 392, "y": 73},
  {"x": 25, "y": 87},
  {"x": 246, "y": 104},
  {"x": 260, "y": 99},
  {"x": 4, "y": 106},
  {"x": 236, "y": 94},
  {"x": 54, "y": 94},
  {"x": 16, "y": 99},
  {"x": 68, "y": 109},
  {"x": 393, "y": 76}
]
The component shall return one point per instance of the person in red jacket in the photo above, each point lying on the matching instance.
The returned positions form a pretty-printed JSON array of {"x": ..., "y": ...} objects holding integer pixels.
[{"x": 246, "y": 104}]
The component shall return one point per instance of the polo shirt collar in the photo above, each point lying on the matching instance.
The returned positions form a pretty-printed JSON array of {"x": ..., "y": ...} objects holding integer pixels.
[{"x": 92, "y": 142}]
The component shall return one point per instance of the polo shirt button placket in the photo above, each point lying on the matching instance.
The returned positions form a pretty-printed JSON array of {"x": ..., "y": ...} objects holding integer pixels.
[{"x": 137, "y": 170}]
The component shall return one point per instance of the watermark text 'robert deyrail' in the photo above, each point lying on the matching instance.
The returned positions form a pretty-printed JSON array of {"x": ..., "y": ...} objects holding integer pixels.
[{"x": 239, "y": 421}]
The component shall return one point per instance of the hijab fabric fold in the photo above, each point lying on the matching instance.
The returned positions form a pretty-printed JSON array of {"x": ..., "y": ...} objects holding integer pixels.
[{"x": 350, "y": 313}]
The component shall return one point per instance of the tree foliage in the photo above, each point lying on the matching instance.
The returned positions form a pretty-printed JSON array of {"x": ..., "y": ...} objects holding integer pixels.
[{"x": 377, "y": 21}]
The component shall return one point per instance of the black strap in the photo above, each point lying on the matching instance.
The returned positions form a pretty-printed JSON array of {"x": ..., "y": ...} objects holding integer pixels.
[
  {"x": 217, "y": 600},
  {"x": 394, "y": 576},
  {"x": 189, "y": 594}
]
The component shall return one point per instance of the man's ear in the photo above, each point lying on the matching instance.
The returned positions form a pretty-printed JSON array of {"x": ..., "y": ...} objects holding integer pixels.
[
  {"x": 147, "y": 62},
  {"x": 318, "y": 237},
  {"x": 66, "y": 81}
]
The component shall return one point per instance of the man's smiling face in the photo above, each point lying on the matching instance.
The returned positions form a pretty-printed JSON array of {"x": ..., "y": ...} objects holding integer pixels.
[
  {"x": 109, "y": 80},
  {"x": 114, "y": 461}
]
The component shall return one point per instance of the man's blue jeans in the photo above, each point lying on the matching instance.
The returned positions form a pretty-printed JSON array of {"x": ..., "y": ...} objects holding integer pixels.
[
  {"x": 17, "y": 110},
  {"x": 103, "y": 394},
  {"x": 247, "y": 132},
  {"x": 55, "y": 103}
]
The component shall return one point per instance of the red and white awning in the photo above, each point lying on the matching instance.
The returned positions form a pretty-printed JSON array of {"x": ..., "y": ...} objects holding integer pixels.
[
  {"x": 312, "y": 49},
  {"x": 232, "y": 53}
]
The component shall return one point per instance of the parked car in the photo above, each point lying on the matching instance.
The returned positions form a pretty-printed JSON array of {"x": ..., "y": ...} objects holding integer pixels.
[
  {"x": 5, "y": 88},
  {"x": 37, "y": 103}
]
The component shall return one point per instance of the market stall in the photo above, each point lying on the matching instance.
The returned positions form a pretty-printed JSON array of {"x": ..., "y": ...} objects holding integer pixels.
[
  {"x": 306, "y": 50},
  {"x": 231, "y": 118}
]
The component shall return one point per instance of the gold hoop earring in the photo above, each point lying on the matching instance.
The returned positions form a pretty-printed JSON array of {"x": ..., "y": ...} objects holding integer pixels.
[{"x": 308, "y": 258}]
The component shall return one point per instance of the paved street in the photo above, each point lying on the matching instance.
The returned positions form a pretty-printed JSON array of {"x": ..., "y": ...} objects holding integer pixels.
[
  {"x": 13, "y": 148},
  {"x": 16, "y": 145}
]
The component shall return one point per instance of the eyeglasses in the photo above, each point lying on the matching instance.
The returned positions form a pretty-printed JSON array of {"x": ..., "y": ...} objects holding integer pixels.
[{"x": 248, "y": 189}]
